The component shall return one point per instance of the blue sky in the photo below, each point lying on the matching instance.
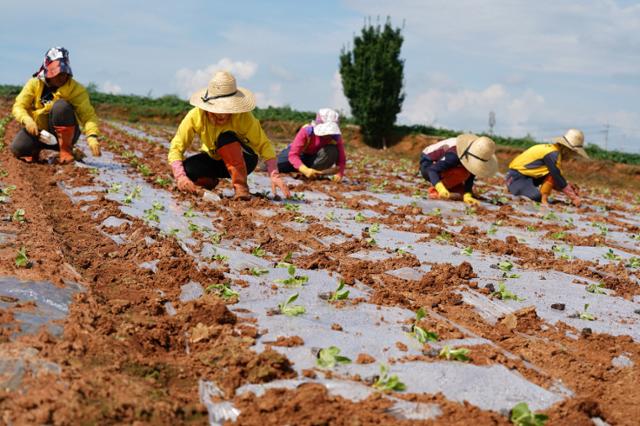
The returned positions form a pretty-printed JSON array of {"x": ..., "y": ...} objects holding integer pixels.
[{"x": 542, "y": 66}]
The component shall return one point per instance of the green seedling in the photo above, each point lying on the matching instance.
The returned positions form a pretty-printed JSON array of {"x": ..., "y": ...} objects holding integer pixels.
[
  {"x": 286, "y": 261},
  {"x": 521, "y": 415},
  {"x": 371, "y": 241},
  {"x": 387, "y": 383},
  {"x": 436, "y": 212},
  {"x": 18, "y": 216},
  {"x": 193, "y": 227},
  {"x": 144, "y": 170},
  {"x": 470, "y": 211},
  {"x": 467, "y": 251},
  {"x": 603, "y": 228},
  {"x": 156, "y": 205},
  {"x": 3, "y": 173},
  {"x": 505, "y": 294},
  {"x": 458, "y": 221},
  {"x": 444, "y": 237},
  {"x": 497, "y": 200},
  {"x": 569, "y": 222},
  {"x": 115, "y": 188},
  {"x": 151, "y": 215},
  {"x": 189, "y": 213},
  {"x": 256, "y": 272},
  {"x": 584, "y": 315},
  {"x": 219, "y": 257},
  {"x": 562, "y": 252},
  {"x": 493, "y": 229},
  {"x": 173, "y": 232},
  {"x": 559, "y": 235},
  {"x": 505, "y": 266},
  {"x": 93, "y": 171},
  {"x": 22, "y": 260},
  {"x": 634, "y": 262},
  {"x": 7, "y": 190},
  {"x": 374, "y": 229},
  {"x": 459, "y": 354},
  {"x": 258, "y": 251},
  {"x": 331, "y": 216},
  {"x": 531, "y": 228},
  {"x": 359, "y": 217},
  {"x": 636, "y": 237},
  {"x": 290, "y": 310},
  {"x": 300, "y": 219},
  {"x": 163, "y": 182},
  {"x": 421, "y": 335},
  {"x": 378, "y": 188},
  {"x": 340, "y": 293},
  {"x": 550, "y": 216},
  {"x": 291, "y": 207},
  {"x": 330, "y": 357},
  {"x": 293, "y": 280},
  {"x": 223, "y": 290},
  {"x": 610, "y": 255},
  {"x": 298, "y": 196},
  {"x": 596, "y": 288}
]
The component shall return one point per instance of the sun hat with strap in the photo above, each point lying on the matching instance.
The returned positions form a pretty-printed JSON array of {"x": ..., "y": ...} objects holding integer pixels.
[
  {"x": 574, "y": 140},
  {"x": 477, "y": 154},
  {"x": 223, "y": 96}
]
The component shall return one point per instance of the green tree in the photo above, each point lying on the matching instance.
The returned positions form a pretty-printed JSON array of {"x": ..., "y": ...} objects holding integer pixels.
[{"x": 372, "y": 78}]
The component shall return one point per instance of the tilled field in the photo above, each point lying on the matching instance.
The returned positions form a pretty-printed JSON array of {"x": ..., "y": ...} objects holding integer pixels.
[{"x": 134, "y": 303}]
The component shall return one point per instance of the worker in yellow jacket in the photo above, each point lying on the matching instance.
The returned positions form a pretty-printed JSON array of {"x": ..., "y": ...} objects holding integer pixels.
[
  {"x": 231, "y": 140},
  {"x": 53, "y": 101},
  {"x": 540, "y": 166}
]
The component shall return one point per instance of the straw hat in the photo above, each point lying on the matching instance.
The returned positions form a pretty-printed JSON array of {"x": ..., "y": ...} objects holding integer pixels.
[
  {"x": 477, "y": 154},
  {"x": 574, "y": 140},
  {"x": 223, "y": 96},
  {"x": 326, "y": 122}
]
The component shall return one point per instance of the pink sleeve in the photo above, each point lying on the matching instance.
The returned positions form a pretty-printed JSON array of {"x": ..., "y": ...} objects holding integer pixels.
[
  {"x": 178, "y": 169},
  {"x": 342, "y": 157},
  {"x": 296, "y": 147}
]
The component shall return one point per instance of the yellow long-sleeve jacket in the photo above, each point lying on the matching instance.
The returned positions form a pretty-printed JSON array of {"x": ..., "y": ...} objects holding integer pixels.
[
  {"x": 245, "y": 125},
  {"x": 28, "y": 104}
]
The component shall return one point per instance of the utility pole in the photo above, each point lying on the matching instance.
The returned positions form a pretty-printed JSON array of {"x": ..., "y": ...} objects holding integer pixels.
[
  {"x": 606, "y": 136},
  {"x": 492, "y": 122}
]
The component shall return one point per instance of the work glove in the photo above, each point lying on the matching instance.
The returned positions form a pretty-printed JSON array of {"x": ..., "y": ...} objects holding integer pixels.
[
  {"x": 186, "y": 185},
  {"x": 277, "y": 182},
  {"x": 94, "y": 145},
  {"x": 309, "y": 172},
  {"x": 443, "y": 192},
  {"x": 31, "y": 126},
  {"x": 337, "y": 178},
  {"x": 468, "y": 199}
]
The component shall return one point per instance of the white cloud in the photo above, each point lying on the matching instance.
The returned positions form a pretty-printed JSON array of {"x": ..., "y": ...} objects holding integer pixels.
[
  {"x": 448, "y": 106},
  {"x": 189, "y": 80},
  {"x": 109, "y": 87}
]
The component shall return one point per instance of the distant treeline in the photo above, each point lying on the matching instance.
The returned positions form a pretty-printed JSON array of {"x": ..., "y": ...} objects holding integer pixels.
[{"x": 170, "y": 106}]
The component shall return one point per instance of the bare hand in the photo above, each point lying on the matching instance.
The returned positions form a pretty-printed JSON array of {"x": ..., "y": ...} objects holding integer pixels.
[
  {"x": 186, "y": 185},
  {"x": 277, "y": 182}
]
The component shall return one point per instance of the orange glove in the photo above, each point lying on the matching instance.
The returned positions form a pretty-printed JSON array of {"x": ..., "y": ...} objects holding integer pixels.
[{"x": 545, "y": 189}]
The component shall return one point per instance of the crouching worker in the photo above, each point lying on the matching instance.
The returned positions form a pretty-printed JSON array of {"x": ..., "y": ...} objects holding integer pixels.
[
  {"x": 453, "y": 164},
  {"x": 316, "y": 149},
  {"x": 535, "y": 172},
  {"x": 52, "y": 101},
  {"x": 231, "y": 140}
]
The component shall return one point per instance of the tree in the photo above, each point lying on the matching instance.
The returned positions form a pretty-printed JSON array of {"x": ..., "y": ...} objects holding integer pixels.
[{"x": 372, "y": 80}]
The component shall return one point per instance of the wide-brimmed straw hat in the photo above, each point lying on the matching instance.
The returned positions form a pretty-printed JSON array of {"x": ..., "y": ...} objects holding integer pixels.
[
  {"x": 326, "y": 123},
  {"x": 574, "y": 140},
  {"x": 477, "y": 154},
  {"x": 223, "y": 96}
]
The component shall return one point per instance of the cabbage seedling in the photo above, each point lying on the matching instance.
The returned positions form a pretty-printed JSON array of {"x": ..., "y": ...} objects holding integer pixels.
[
  {"x": 290, "y": 310},
  {"x": 374, "y": 229},
  {"x": 256, "y": 272},
  {"x": 163, "y": 182},
  {"x": 421, "y": 335},
  {"x": 505, "y": 294},
  {"x": 359, "y": 217},
  {"x": 505, "y": 266},
  {"x": 467, "y": 251},
  {"x": 330, "y": 216},
  {"x": 387, "y": 383},
  {"x": 7, "y": 190},
  {"x": 340, "y": 293},
  {"x": 258, "y": 251},
  {"x": 300, "y": 219},
  {"x": 330, "y": 357},
  {"x": 459, "y": 354},
  {"x": 610, "y": 255},
  {"x": 115, "y": 188},
  {"x": 22, "y": 260},
  {"x": 18, "y": 216},
  {"x": 286, "y": 261},
  {"x": 293, "y": 280},
  {"x": 521, "y": 415},
  {"x": 436, "y": 212},
  {"x": 151, "y": 215},
  {"x": 596, "y": 288},
  {"x": 224, "y": 291},
  {"x": 584, "y": 315},
  {"x": 291, "y": 207},
  {"x": 634, "y": 262}
]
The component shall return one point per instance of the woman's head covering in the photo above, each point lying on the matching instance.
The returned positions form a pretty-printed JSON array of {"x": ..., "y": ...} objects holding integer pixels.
[
  {"x": 223, "y": 96},
  {"x": 56, "y": 61},
  {"x": 477, "y": 154},
  {"x": 574, "y": 140},
  {"x": 326, "y": 123}
]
